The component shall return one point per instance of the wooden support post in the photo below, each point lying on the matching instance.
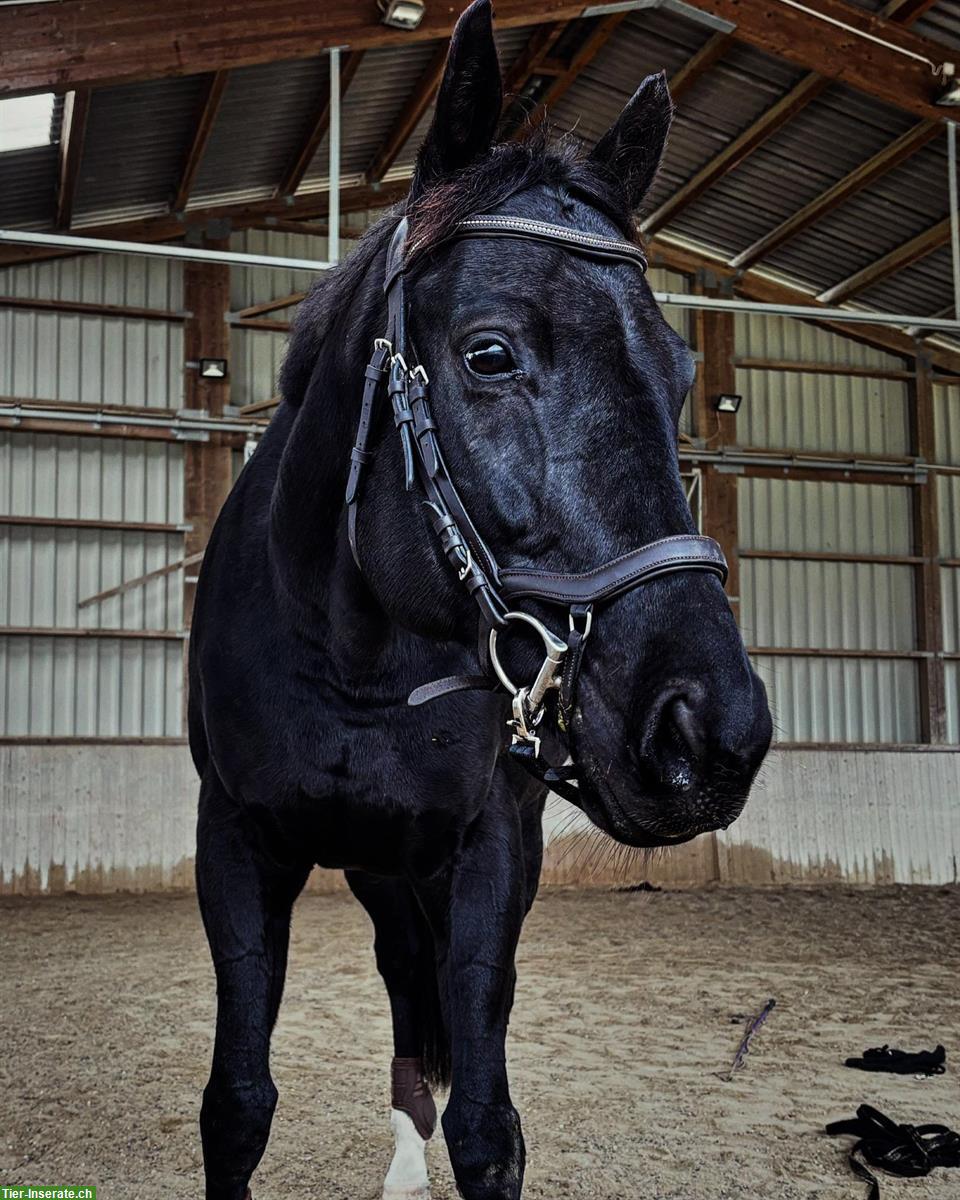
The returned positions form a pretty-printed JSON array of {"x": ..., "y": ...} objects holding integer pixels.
[
  {"x": 207, "y": 465},
  {"x": 716, "y": 375},
  {"x": 933, "y": 693}
]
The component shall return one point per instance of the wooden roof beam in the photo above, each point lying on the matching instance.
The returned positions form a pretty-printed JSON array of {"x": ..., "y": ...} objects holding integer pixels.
[
  {"x": 861, "y": 177},
  {"x": 695, "y": 68},
  {"x": 73, "y": 131},
  {"x": 417, "y": 103},
  {"x": 755, "y": 286},
  {"x": 298, "y": 165},
  {"x": 559, "y": 85},
  {"x": 896, "y": 260},
  {"x": 213, "y": 89},
  {"x": 767, "y": 124}
]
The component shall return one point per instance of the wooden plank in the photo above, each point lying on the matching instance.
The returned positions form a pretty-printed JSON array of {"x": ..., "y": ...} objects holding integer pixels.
[
  {"x": 559, "y": 85},
  {"x": 73, "y": 132},
  {"x": 260, "y": 406},
  {"x": 791, "y": 366},
  {"x": 74, "y": 43},
  {"x": 832, "y": 556},
  {"x": 255, "y": 310},
  {"x": 836, "y": 652},
  {"x": 141, "y": 580},
  {"x": 926, "y": 543},
  {"x": 87, "y": 427},
  {"x": 59, "y": 631},
  {"x": 414, "y": 107},
  {"x": 767, "y": 124},
  {"x": 93, "y": 523},
  {"x": 301, "y": 160},
  {"x": 861, "y": 177},
  {"x": 264, "y": 325},
  {"x": 695, "y": 68},
  {"x": 94, "y": 310},
  {"x": 215, "y": 86},
  {"x": 889, "y": 264}
]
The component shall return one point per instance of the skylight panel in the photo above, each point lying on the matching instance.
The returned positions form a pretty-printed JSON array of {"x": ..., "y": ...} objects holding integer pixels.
[{"x": 26, "y": 121}]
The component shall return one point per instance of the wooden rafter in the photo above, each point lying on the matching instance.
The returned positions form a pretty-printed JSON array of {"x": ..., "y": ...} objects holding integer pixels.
[
  {"x": 754, "y": 286},
  {"x": 736, "y": 151},
  {"x": 298, "y": 165},
  {"x": 861, "y": 177},
  {"x": 76, "y": 109},
  {"x": 75, "y": 44},
  {"x": 213, "y": 89},
  {"x": 530, "y": 62},
  {"x": 410, "y": 116},
  {"x": 906, "y": 11},
  {"x": 695, "y": 68},
  {"x": 896, "y": 260},
  {"x": 558, "y": 86}
]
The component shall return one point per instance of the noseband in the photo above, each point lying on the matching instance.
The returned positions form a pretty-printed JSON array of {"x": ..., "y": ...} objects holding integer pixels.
[{"x": 393, "y": 370}]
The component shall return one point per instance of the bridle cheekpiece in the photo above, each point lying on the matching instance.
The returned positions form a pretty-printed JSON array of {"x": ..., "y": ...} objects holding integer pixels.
[{"x": 393, "y": 371}]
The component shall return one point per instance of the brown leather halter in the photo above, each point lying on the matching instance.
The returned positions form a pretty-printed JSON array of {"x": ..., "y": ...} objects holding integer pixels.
[{"x": 495, "y": 588}]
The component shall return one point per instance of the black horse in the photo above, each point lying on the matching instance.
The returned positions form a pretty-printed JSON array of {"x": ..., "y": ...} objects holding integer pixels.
[{"x": 556, "y": 386}]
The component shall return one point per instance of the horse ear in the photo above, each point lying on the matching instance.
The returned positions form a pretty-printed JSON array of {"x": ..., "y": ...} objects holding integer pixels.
[
  {"x": 468, "y": 103},
  {"x": 632, "y": 147}
]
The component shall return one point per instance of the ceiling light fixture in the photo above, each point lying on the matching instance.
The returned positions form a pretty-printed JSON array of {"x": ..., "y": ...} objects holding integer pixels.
[{"x": 402, "y": 14}]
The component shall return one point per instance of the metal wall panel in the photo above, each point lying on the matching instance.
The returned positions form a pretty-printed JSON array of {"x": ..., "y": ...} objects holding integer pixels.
[
  {"x": 93, "y": 359},
  {"x": 96, "y": 818},
  {"x": 121, "y": 817},
  {"x": 831, "y": 605},
  {"x": 83, "y": 686},
  {"x": 848, "y": 815},
  {"x": 816, "y": 412}
]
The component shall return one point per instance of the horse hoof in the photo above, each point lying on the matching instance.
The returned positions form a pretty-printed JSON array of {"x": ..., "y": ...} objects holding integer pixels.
[{"x": 401, "y": 1193}]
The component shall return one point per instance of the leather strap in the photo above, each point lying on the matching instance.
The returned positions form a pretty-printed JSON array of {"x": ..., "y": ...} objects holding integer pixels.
[{"x": 682, "y": 552}]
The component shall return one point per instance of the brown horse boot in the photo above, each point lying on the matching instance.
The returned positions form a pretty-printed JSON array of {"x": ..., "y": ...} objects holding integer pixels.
[{"x": 413, "y": 1118}]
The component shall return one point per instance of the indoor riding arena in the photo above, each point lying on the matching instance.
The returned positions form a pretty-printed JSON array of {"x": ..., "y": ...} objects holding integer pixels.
[{"x": 691, "y": 984}]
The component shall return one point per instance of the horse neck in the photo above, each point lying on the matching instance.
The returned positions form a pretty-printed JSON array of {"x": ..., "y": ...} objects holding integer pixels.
[{"x": 308, "y": 544}]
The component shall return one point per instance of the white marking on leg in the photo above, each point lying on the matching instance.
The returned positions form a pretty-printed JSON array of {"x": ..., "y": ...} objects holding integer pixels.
[{"x": 407, "y": 1177}]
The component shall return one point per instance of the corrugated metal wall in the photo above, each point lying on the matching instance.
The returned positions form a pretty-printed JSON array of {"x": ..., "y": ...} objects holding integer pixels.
[
  {"x": 93, "y": 359},
  {"x": 84, "y": 685},
  {"x": 816, "y": 412},
  {"x": 818, "y": 604}
]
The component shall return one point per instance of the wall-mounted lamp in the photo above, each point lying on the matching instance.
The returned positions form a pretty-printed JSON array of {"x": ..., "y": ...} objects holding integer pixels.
[
  {"x": 949, "y": 94},
  {"x": 727, "y": 403},
  {"x": 402, "y": 14},
  {"x": 213, "y": 368}
]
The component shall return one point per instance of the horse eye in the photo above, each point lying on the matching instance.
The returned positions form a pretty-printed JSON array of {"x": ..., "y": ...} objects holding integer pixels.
[{"x": 489, "y": 357}]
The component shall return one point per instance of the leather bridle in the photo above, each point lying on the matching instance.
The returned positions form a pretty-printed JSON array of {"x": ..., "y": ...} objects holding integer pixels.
[{"x": 394, "y": 371}]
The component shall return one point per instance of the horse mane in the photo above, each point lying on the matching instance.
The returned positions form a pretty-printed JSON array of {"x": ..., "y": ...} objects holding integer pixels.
[{"x": 433, "y": 212}]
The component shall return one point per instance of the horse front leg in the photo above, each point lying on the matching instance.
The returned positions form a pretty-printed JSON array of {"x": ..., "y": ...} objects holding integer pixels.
[
  {"x": 245, "y": 900},
  {"x": 477, "y": 930}
]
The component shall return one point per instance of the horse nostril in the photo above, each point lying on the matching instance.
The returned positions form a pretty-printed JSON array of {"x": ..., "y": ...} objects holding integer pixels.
[{"x": 688, "y": 726}]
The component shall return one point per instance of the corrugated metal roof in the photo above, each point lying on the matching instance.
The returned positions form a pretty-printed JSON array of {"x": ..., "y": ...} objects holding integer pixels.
[
  {"x": 137, "y": 138},
  {"x": 265, "y": 114}
]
